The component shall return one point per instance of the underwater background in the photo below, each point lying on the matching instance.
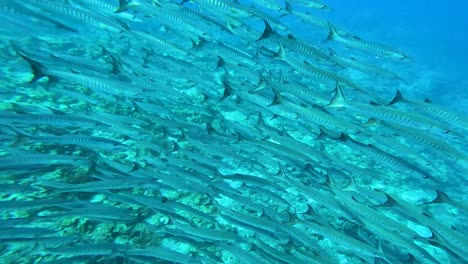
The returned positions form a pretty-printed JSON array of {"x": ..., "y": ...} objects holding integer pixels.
[
  {"x": 432, "y": 32},
  {"x": 218, "y": 131}
]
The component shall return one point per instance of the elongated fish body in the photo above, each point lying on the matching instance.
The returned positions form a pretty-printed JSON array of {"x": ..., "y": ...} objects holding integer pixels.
[
  {"x": 393, "y": 162},
  {"x": 457, "y": 121},
  {"x": 204, "y": 131},
  {"x": 272, "y": 5},
  {"x": 307, "y": 17},
  {"x": 370, "y": 47},
  {"x": 230, "y": 8},
  {"x": 433, "y": 144},
  {"x": 311, "y": 4},
  {"x": 360, "y": 66},
  {"x": 388, "y": 114},
  {"x": 64, "y": 11}
]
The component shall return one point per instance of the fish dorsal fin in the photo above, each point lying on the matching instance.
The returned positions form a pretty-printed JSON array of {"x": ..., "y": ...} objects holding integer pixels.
[
  {"x": 333, "y": 34},
  {"x": 280, "y": 172},
  {"x": 398, "y": 98},
  {"x": 371, "y": 122},
  {"x": 290, "y": 245},
  {"x": 278, "y": 99},
  {"x": 310, "y": 211},
  {"x": 262, "y": 84},
  {"x": 339, "y": 99},
  {"x": 267, "y": 32},
  {"x": 228, "y": 91},
  {"x": 440, "y": 198},
  {"x": 288, "y": 7},
  {"x": 261, "y": 121},
  {"x": 332, "y": 52},
  {"x": 390, "y": 202},
  {"x": 220, "y": 62},
  {"x": 281, "y": 77},
  {"x": 210, "y": 129}
]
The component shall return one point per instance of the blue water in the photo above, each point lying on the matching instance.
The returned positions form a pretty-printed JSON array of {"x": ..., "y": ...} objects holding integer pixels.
[{"x": 433, "y": 33}]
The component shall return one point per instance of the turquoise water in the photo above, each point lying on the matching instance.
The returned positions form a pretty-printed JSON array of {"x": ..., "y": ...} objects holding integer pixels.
[
  {"x": 432, "y": 32},
  {"x": 193, "y": 133}
]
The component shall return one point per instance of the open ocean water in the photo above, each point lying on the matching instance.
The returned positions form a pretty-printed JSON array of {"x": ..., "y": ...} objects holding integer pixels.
[
  {"x": 218, "y": 131},
  {"x": 432, "y": 32}
]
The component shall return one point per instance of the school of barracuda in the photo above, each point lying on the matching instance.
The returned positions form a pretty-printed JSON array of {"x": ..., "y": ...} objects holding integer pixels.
[{"x": 213, "y": 131}]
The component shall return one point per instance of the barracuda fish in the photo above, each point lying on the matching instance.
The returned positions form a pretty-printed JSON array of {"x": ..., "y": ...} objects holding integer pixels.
[
  {"x": 409, "y": 246},
  {"x": 96, "y": 186},
  {"x": 455, "y": 120},
  {"x": 241, "y": 254},
  {"x": 312, "y": 71},
  {"x": 360, "y": 66},
  {"x": 205, "y": 234},
  {"x": 272, "y": 5},
  {"x": 230, "y": 8},
  {"x": 445, "y": 199},
  {"x": 393, "y": 162},
  {"x": 368, "y": 214},
  {"x": 276, "y": 255},
  {"x": 66, "y": 13},
  {"x": 94, "y": 212},
  {"x": 360, "y": 44},
  {"x": 80, "y": 250},
  {"x": 344, "y": 240},
  {"x": 78, "y": 140},
  {"x": 34, "y": 205},
  {"x": 322, "y": 197},
  {"x": 318, "y": 117},
  {"x": 441, "y": 234},
  {"x": 29, "y": 161},
  {"x": 161, "y": 253},
  {"x": 384, "y": 113},
  {"x": 311, "y": 4},
  {"x": 251, "y": 222},
  {"x": 432, "y": 143},
  {"x": 307, "y": 17},
  {"x": 152, "y": 131}
]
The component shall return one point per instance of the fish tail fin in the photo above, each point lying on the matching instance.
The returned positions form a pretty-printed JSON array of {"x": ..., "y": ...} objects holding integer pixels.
[
  {"x": 338, "y": 100},
  {"x": 397, "y": 99}
]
